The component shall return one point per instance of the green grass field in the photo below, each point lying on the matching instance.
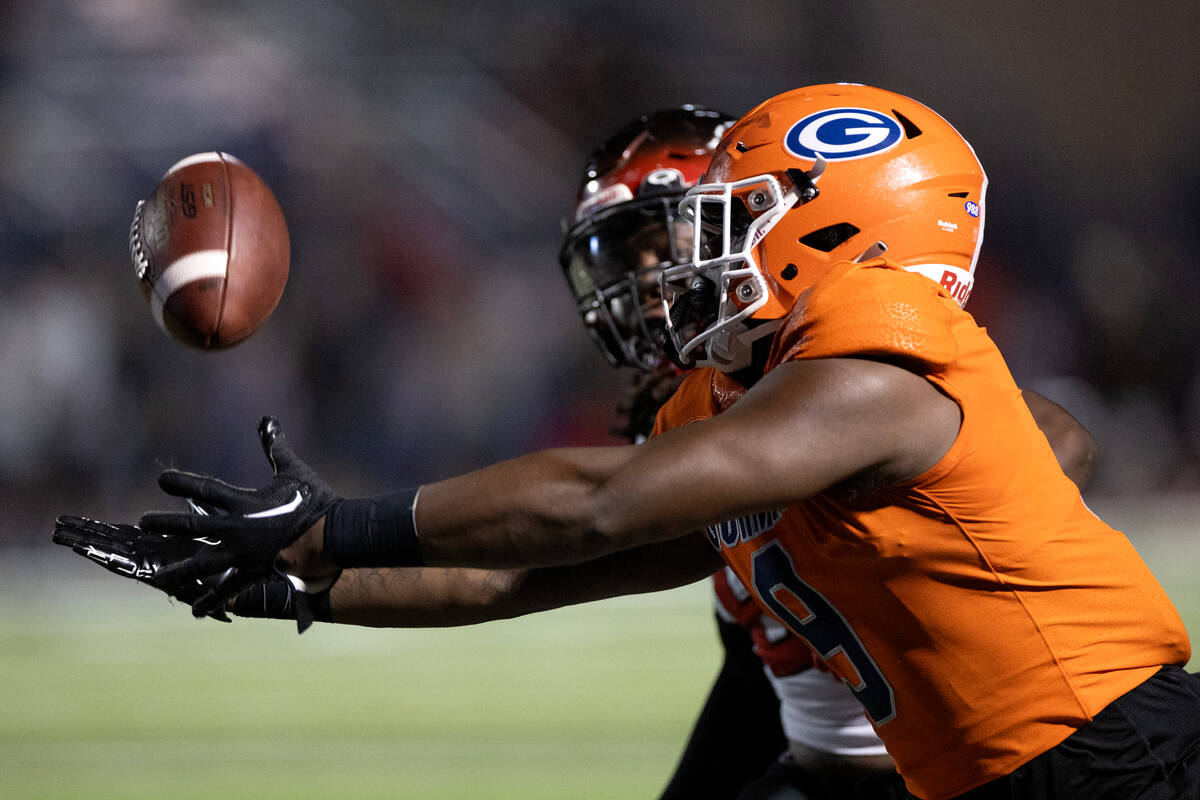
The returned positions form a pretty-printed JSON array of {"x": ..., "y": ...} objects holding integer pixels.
[{"x": 111, "y": 692}]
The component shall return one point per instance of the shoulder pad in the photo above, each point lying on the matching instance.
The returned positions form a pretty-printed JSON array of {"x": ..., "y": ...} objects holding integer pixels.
[
  {"x": 704, "y": 393},
  {"x": 873, "y": 309}
]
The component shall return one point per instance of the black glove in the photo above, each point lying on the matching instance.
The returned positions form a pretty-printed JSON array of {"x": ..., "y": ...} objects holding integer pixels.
[
  {"x": 131, "y": 552},
  {"x": 134, "y": 553},
  {"x": 279, "y": 599},
  {"x": 246, "y": 528}
]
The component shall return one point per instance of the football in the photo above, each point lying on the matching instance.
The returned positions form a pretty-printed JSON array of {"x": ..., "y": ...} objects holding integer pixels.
[{"x": 211, "y": 251}]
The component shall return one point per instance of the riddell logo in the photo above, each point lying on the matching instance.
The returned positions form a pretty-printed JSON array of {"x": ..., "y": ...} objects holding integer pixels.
[
  {"x": 956, "y": 281},
  {"x": 959, "y": 288}
]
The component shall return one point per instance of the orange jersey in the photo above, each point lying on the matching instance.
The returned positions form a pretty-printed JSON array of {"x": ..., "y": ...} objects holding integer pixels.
[
  {"x": 980, "y": 612},
  {"x": 781, "y": 652}
]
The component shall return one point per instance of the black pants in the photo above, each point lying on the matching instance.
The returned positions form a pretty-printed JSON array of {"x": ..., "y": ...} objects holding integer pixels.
[
  {"x": 786, "y": 781},
  {"x": 735, "y": 746},
  {"x": 1144, "y": 746},
  {"x": 738, "y": 734}
]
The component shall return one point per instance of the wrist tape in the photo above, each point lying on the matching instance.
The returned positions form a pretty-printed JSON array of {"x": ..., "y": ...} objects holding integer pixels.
[
  {"x": 276, "y": 600},
  {"x": 378, "y": 531}
]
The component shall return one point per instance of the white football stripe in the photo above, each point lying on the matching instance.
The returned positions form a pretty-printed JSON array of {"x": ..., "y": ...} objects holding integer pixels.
[
  {"x": 182, "y": 271},
  {"x": 200, "y": 158}
]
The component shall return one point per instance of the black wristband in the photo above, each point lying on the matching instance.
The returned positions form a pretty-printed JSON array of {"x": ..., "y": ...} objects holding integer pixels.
[
  {"x": 276, "y": 600},
  {"x": 378, "y": 531}
]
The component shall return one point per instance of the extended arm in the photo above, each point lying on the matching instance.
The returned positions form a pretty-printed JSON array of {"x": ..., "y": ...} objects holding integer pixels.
[
  {"x": 443, "y": 597},
  {"x": 804, "y": 427}
]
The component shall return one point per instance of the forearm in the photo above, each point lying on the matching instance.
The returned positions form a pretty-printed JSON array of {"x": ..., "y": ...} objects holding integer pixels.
[
  {"x": 557, "y": 507},
  {"x": 542, "y": 509},
  {"x": 649, "y": 568},
  {"x": 445, "y": 597},
  {"x": 423, "y": 597}
]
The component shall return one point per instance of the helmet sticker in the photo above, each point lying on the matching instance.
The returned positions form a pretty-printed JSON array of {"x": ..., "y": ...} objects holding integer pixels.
[
  {"x": 972, "y": 208},
  {"x": 956, "y": 281},
  {"x": 664, "y": 178},
  {"x": 841, "y": 134}
]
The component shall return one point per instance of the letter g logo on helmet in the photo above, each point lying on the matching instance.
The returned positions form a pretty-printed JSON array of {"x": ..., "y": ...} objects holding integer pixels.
[{"x": 840, "y": 134}]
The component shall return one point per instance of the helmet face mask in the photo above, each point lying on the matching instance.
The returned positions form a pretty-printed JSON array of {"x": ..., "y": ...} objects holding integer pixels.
[
  {"x": 612, "y": 260},
  {"x": 734, "y": 218},
  {"x": 627, "y": 229},
  {"x": 893, "y": 176}
]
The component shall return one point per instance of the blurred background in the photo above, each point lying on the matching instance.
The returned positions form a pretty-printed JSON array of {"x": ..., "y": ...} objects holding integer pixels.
[{"x": 425, "y": 154}]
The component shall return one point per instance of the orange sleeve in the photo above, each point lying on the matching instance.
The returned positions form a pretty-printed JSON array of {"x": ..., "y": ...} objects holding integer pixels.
[{"x": 873, "y": 309}]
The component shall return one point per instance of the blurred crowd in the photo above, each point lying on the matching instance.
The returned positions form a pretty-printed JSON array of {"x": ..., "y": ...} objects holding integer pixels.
[{"x": 425, "y": 154}]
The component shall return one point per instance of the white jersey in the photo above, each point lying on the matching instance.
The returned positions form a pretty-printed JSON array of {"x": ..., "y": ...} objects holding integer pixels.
[{"x": 819, "y": 711}]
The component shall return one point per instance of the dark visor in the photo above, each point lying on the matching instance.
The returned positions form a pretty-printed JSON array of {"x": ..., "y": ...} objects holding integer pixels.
[{"x": 613, "y": 243}]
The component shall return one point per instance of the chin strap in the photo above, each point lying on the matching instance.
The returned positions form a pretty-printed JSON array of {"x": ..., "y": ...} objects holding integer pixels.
[
  {"x": 734, "y": 351},
  {"x": 691, "y": 313}
]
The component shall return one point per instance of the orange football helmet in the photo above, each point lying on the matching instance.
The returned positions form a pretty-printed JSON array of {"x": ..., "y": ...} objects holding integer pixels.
[
  {"x": 809, "y": 178},
  {"x": 625, "y": 227}
]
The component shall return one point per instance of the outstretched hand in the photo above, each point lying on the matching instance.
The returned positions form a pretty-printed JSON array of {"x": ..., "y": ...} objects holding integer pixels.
[
  {"x": 132, "y": 552},
  {"x": 244, "y": 528}
]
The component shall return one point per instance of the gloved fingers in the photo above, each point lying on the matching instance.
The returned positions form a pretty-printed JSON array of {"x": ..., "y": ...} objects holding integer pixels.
[
  {"x": 193, "y": 526},
  {"x": 73, "y": 531},
  {"x": 271, "y": 597},
  {"x": 213, "y": 602},
  {"x": 203, "y": 509},
  {"x": 110, "y": 546},
  {"x": 188, "y": 591},
  {"x": 208, "y": 562},
  {"x": 278, "y": 450},
  {"x": 217, "y": 613},
  {"x": 76, "y": 532},
  {"x": 269, "y": 430},
  {"x": 111, "y": 560},
  {"x": 211, "y": 493}
]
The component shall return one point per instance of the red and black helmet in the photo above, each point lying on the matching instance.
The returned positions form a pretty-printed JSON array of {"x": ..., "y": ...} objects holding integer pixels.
[{"x": 625, "y": 228}]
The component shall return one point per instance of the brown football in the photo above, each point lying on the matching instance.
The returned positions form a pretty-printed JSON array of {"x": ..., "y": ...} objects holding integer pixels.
[{"x": 211, "y": 251}]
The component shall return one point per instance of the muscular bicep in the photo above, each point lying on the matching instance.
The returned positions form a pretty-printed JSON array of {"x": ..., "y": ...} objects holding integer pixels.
[{"x": 803, "y": 428}]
